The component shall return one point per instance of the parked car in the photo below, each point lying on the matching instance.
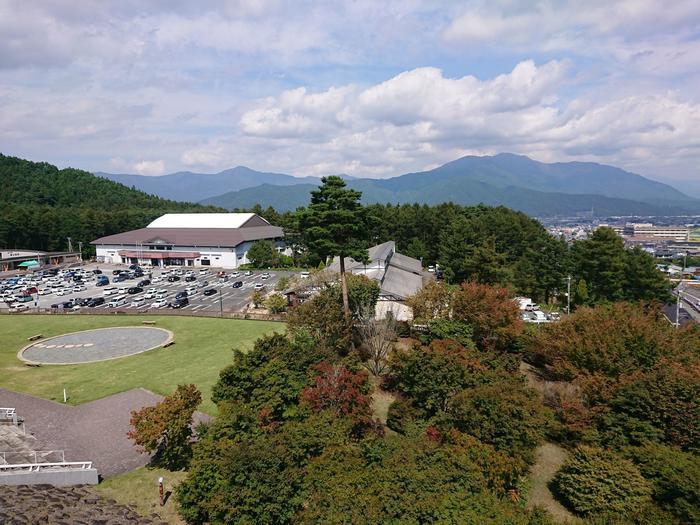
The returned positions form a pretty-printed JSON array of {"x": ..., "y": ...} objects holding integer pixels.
[
  {"x": 191, "y": 290},
  {"x": 45, "y": 291},
  {"x": 237, "y": 284},
  {"x": 24, "y": 298},
  {"x": 247, "y": 273},
  {"x": 180, "y": 303},
  {"x": 18, "y": 307},
  {"x": 82, "y": 301},
  {"x": 119, "y": 278},
  {"x": 109, "y": 290},
  {"x": 150, "y": 295},
  {"x": 210, "y": 291},
  {"x": 139, "y": 301},
  {"x": 79, "y": 288},
  {"x": 259, "y": 286},
  {"x": 203, "y": 271},
  {"x": 62, "y": 291},
  {"x": 102, "y": 280},
  {"x": 117, "y": 302},
  {"x": 265, "y": 276},
  {"x": 304, "y": 275},
  {"x": 97, "y": 301},
  {"x": 134, "y": 290},
  {"x": 116, "y": 272},
  {"x": 173, "y": 278},
  {"x": 145, "y": 282},
  {"x": 160, "y": 303},
  {"x": 190, "y": 278},
  {"x": 161, "y": 295},
  {"x": 31, "y": 290},
  {"x": 181, "y": 295}
]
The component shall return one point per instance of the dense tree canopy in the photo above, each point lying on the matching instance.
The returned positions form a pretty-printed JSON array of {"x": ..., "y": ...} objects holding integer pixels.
[{"x": 42, "y": 206}]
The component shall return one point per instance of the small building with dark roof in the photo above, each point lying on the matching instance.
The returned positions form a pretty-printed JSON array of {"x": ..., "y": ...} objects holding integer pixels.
[
  {"x": 398, "y": 276},
  {"x": 190, "y": 239}
]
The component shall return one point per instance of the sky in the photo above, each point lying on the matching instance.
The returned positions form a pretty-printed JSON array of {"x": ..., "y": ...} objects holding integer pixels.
[{"x": 365, "y": 88}]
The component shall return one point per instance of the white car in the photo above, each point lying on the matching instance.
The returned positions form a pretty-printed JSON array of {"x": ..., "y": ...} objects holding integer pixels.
[
  {"x": 109, "y": 290},
  {"x": 161, "y": 295},
  {"x": 45, "y": 291},
  {"x": 235, "y": 274},
  {"x": 139, "y": 301},
  {"x": 259, "y": 286},
  {"x": 149, "y": 295},
  {"x": 62, "y": 291},
  {"x": 191, "y": 290},
  {"x": 265, "y": 276},
  {"x": 248, "y": 273},
  {"x": 19, "y": 307},
  {"x": 304, "y": 275},
  {"x": 156, "y": 279},
  {"x": 203, "y": 272},
  {"x": 160, "y": 303},
  {"x": 79, "y": 288},
  {"x": 123, "y": 289}
]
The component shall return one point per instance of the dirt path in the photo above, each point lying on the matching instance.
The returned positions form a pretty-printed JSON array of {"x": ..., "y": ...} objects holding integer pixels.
[
  {"x": 549, "y": 457},
  {"x": 380, "y": 404}
]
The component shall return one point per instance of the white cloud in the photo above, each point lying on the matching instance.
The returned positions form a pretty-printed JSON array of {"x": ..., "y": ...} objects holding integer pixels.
[{"x": 149, "y": 167}]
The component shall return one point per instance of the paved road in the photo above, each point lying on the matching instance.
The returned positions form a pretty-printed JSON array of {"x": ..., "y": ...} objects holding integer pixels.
[{"x": 94, "y": 431}]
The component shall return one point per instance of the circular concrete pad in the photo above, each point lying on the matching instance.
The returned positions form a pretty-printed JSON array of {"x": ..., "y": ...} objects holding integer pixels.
[{"x": 95, "y": 345}]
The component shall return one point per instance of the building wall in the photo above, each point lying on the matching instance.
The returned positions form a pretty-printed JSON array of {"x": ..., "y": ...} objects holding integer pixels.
[{"x": 228, "y": 258}]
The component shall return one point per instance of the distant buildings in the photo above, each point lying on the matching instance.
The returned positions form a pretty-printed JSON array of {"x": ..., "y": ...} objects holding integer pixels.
[
  {"x": 190, "y": 239},
  {"x": 34, "y": 259}
]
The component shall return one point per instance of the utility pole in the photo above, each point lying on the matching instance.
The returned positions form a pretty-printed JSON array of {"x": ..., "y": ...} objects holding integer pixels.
[
  {"x": 678, "y": 307},
  {"x": 80, "y": 247},
  {"x": 221, "y": 305},
  {"x": 70, "y": 245},
  {"x": 568, "y": 295}
]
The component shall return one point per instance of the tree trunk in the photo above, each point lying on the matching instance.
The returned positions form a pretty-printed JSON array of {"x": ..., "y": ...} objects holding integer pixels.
[{"x": 344, "y": 287}]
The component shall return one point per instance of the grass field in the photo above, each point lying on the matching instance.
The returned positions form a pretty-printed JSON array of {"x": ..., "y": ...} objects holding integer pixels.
[
  {"x": 139, "y": 489},
  {"x": 202, "y": 348}
]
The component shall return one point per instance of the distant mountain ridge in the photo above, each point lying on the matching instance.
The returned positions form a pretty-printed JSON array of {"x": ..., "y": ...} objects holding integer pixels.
[
  {"x": 515, "y": 181},
  {"x": 194, "y": 187}
]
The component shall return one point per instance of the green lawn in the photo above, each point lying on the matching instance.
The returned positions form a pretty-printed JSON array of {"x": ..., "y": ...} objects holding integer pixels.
[
  {"x": 202, "y": 348},
  {"x": 139, "y": 489}
]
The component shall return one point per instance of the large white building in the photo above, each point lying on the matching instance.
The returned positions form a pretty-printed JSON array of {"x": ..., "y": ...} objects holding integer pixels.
[{"x": 190, "y": 239}]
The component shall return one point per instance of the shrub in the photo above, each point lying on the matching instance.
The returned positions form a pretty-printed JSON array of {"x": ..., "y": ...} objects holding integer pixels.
[
  {"x": 505, "y": 414},
  {"x": 674, "y": 477},
  {"x": 401, "y": 414},
  {"x": 595, "y": 481},
  {"x": 276, "y": 303}
]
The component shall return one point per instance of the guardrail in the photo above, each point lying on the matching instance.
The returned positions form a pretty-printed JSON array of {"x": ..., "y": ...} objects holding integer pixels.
[
  {"x": 9, "y": 414},
  {"x": 39, "y": 467},
  {"x": 36, "y": 453}
]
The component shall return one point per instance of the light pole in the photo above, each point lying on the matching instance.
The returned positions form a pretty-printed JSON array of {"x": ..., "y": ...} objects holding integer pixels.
[
  {"x": 80, "y": 247},
  {"x": 221, "y": 304}
]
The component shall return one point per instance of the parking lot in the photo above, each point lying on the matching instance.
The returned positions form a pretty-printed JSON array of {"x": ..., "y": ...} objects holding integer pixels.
[{"x": 225, "y": 299}]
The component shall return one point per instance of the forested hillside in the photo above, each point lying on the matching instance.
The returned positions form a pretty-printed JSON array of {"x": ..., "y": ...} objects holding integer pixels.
[{"x": 42, "y": 206}]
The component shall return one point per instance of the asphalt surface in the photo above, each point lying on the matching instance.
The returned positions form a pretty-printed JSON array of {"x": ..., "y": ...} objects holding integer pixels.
[
  {"x": 94, "y": 431},
  {"x": 96, "y": 345},
  {"x": 226, "y": 299}
]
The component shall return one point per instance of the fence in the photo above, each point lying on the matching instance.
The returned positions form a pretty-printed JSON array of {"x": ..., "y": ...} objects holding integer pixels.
[
  {"x": 252, "y": 316},
  {"x": 8, "y": 414},
  {"x": 6, "y": 456}
]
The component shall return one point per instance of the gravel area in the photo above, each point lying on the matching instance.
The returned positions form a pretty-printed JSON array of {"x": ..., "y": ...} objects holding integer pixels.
[
  {"x": 95, "y": 345},
  {"x": 94, "y": 431}
]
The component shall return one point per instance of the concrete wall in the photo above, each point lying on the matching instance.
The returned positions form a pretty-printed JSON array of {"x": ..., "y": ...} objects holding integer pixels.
[{"x": 59, "y": 478}]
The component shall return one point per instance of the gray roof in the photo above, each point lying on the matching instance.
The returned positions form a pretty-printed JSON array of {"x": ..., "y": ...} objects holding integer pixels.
[
  {"x": 400, "y": 276},
  {"x": 193, "y": 236}
]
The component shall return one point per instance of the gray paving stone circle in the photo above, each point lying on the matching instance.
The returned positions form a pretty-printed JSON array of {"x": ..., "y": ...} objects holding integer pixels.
[{"x": 90, "y": 346}]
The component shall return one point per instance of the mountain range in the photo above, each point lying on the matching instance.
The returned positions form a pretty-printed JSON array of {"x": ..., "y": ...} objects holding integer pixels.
[{"x": 516, "y": 181}]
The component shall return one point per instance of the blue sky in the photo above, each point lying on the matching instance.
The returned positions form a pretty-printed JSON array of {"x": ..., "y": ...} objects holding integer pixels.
[{"x": 360, "y": 87}]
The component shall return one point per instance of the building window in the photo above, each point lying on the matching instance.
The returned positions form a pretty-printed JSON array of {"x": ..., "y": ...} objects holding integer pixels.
[{"x": 205, "y": 262}]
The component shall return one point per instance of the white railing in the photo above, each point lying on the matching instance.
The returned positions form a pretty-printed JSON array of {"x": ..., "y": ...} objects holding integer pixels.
[
  {"x": 39, "y": 467},
  {"x": 36, "y": 453}
]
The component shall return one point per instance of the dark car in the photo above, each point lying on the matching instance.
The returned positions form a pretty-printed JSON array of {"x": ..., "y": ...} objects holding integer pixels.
[
  {"x": 134, "y": 289},
  {"x": 96, "y": 302},
  {"x": 67, "y": 305},
  {"x": 190, "y": 278},
  {"x": 134, "y": 267},
  {"x": 238, "y": 284},
  {"x": 102, "y": 280},
  {"x": 179, "y": 303},
  {"x": 210, "y": 291},
  {"x": 145, "y": 282},
  {"x": 116, "y": 272},
  {"x": 173, "y": 278},
  {"x": 119, "y": 278},
  {"x": 181, "y": 295},
  {"x": 82, "y": 301},
  {"x": 97, "y": 272},
  {"x": 138, "y": 273}
]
